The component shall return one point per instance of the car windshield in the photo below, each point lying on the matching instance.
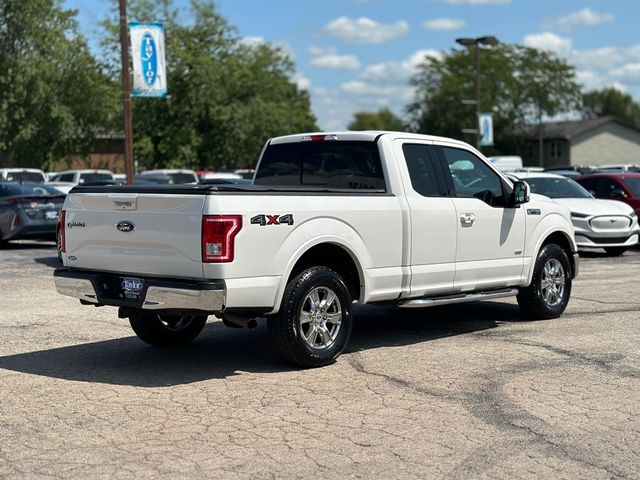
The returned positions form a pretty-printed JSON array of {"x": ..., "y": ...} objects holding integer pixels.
[
  {"x": 179, "y": 178},
  {"x": 95, "y": 177},
  {"x": 632, "y": 184},
  {"x": 9, "y": 189},
  {"x": 25, "y": 177},
  {"x": 557, "y": 188}
]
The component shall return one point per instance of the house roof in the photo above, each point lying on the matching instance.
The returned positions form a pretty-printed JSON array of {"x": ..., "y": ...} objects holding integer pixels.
[{"x": 572, "y": 129}]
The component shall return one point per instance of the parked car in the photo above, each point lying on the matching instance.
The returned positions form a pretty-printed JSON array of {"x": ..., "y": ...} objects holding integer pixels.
[
  {"x": 31, "y": 175},
  {"x": 175, "y": 176},
  {"x": 621, "y": 186},
  {"x": 68, "y": 179},
  {"x": 598, "y": 223},
  {"x": 332, "y": 219},
  {"x": 617, "y": 168},
  {"x": 507, "y": 163},
  {"x": 29, "y": 211}
]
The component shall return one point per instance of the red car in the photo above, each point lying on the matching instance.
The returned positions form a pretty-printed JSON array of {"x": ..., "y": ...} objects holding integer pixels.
[{"x": 623, "y": 186}]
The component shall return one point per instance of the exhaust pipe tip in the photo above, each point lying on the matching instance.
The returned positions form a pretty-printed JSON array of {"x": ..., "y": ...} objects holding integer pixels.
[{"x": 234, "y": 321}]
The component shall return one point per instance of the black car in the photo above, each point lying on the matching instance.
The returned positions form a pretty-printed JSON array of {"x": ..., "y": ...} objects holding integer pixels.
[{"x": 29, "y": 211}]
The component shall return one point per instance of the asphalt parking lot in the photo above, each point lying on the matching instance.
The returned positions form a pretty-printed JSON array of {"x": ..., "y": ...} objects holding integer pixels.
[{"x": 468, "y": 391}]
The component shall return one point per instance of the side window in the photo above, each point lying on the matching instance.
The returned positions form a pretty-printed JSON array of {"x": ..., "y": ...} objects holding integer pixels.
[
  {"x": 67, "y": 177},
  {"x": 604, "y": 187},
  {"x": 472, "y": 178},
  {"x": 422, "y": 170},
  {"x": 589, "y": 184}
]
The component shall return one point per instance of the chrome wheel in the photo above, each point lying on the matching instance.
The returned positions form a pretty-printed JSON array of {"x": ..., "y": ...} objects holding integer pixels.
[
  {"x": 320, "y": 318},
  {"x": 552, "y": 282}
]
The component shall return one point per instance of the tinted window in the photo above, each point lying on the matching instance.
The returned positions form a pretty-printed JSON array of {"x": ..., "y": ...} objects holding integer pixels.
[
  {"x": 334, "y": 164},
  {"x": 93, "y": 177},
  {"x": 24, "y": 177},
  {"x": 67, "y": 177},
  {"x": 633, "y": 184},
  {"x": 180, "y": 178},
  {"x": 421, "y": 170},
  {"x": 472, "y": 178},
  {"x": 557, "y": 188},
  {"x": 604, "y": 187}
]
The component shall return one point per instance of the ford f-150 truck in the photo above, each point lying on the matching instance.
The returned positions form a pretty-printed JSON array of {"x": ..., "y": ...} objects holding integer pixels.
[{"x": 331, "y": 219}]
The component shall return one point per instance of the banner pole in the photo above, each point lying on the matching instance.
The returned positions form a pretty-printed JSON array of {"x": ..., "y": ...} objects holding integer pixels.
[{"x": 126, "y": 93}]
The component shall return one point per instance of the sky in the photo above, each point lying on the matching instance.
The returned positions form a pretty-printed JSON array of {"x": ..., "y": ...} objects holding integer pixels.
[{"x": 355, "y": 55}]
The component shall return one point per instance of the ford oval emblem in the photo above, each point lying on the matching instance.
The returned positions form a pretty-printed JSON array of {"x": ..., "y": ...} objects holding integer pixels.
[
  {"x": 149, "y": 59},
  {"x": 125, "y": 226}
]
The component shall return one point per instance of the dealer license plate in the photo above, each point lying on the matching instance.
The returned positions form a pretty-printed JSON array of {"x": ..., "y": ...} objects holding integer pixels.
[{"x": 131, "y": 288}]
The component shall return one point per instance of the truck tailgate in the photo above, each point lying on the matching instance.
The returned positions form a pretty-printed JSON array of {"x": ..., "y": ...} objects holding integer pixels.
[{"x": 140, "y": 233}]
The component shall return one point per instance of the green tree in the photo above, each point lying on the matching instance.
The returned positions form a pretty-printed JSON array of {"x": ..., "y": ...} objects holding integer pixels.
[
  {"x": 54, "y": 95},
  {"x": 226, "y": 96},
  {"x": 611, "y": 101},
  {"x": 383, "y": 119},
  {"x": 518, "y": 84}
]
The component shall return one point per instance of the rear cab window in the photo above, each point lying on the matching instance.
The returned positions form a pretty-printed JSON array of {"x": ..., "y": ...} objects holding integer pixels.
[{"x": 350, "y": 165}]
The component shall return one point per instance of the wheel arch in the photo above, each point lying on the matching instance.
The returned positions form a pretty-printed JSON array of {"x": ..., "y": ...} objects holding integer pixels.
[
  {"x": 331, "y": 253},
  {"x": 564, "y": 241}
]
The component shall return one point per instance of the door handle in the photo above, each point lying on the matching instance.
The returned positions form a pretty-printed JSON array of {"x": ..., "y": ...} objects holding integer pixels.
[{"x": 467, "y": 219}]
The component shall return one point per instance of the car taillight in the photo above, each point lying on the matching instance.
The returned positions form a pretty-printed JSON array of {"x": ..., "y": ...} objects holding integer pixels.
[
  {"x": 218, "y": 237},
  {"x": 63, "y": 243}
]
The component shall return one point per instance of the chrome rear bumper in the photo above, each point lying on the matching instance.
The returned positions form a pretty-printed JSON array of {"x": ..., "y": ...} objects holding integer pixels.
[{"x": 160, "y": 294}]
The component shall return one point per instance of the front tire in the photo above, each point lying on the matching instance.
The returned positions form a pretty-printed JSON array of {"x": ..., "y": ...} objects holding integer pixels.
[
  {"x": 550, "y": 289},
  {"x": 166, "y": 330},
  {"x": 314, "y": 323},
  {"x": 615, "y": 251}
]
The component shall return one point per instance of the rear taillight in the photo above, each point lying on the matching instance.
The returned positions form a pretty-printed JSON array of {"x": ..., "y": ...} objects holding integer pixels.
[
  {"x": 218, "y": 237},
  {"x": 63, "y": 243}
]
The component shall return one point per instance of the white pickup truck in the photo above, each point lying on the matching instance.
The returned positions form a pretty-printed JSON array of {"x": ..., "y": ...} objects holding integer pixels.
[{"x": 332, "y": 219}]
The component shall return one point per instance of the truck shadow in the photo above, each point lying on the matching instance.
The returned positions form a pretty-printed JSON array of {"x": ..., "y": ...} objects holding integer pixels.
[
  {"x": 51, "y": 262},
  {"x": 221, "y": 352}
]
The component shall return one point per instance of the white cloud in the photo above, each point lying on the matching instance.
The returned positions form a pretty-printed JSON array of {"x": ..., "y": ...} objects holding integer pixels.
[
  {"x": 384, "y": 84},
  {"x": 398, "y": 72},
  {"x": 330, "y": 59},
  {"x": 582, "y": 18},
  {"x": 628, "y": 74},
  {"x": 252, "y": 41},
  {"x": 444, "y": 24},
  {"x": 548, "y": 41},
  {"x": 303, "y": 82},
  {"x": 365, "y": 30},
  {"x": 478, "y": 2},
  {"x": 604, "y": 57}
]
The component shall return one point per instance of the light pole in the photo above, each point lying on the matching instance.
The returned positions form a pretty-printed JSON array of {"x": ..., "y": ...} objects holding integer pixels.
[
  {"x": 126, "y": 93},
  {"x": 476, "y": 42}
]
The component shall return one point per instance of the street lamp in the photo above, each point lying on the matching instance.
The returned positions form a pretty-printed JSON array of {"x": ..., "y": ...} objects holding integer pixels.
[{"x": 476, "y": 42}]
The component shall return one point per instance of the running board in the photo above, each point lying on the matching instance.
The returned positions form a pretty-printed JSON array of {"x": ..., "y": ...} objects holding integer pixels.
[{"x": 458, "y": 298}]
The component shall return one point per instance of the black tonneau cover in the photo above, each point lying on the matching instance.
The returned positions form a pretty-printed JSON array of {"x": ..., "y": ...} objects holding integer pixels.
[{"x": 225, "y": 189}]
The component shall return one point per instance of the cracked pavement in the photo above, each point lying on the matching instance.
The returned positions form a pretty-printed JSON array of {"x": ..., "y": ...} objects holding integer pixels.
[{"x": 467, "y": 391}]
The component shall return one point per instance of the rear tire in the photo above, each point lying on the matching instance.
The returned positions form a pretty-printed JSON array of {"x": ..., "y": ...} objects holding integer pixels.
[
  {"x": 550, "y": 289},
  {"x": 166, "y": 330},
  {"x": 314, "y": 323},
  {"x": 615, "y": 251}
]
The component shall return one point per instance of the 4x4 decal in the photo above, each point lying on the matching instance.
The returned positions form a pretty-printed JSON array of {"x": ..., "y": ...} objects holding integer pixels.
[{"x": 263, "y": 220}]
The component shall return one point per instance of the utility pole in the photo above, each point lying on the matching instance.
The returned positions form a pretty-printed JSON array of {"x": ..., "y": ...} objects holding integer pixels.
[
  {"x": 475, "y": 42},
  {"x": 126, "y": 93}
]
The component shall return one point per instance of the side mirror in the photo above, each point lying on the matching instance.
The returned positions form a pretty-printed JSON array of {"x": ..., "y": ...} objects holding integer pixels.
[{"x": 521, "y": 193}]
